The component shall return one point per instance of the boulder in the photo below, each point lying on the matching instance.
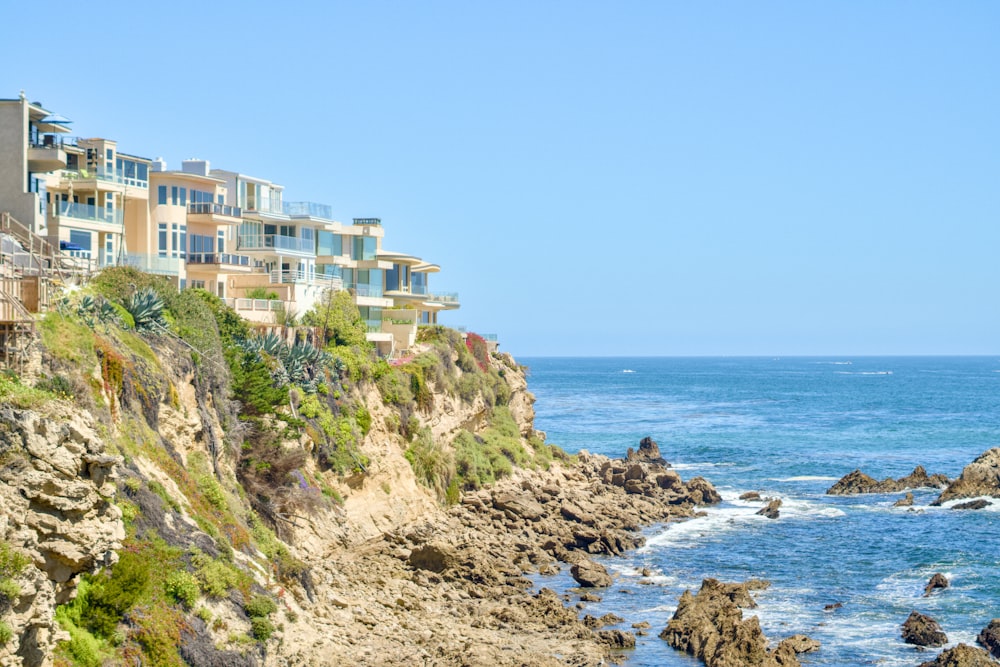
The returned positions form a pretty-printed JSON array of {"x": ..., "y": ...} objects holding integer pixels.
[
  {"x": 962, "y": 655},
  {"x": 750, "y": 495},
  {"x": 617, "y": 639},
  {"x": 923, "y": 630},
  {"x": 434, "y": 557},
  {"x": 989, "y": 638},
  {"x": 520, "y": 504},
  {"x": 977, "y": 504},
  {"x": 936, "y": 581},
  {"x": 649, "y": 452},
  {"x": 979, "y": 478},
  {"x": 589, "y": 574},
  {"x": 710, "y": 626},
  {"x": 702, "y": 492},
  {"x": 771, "y": 511},
  {"x": 801, "y": 644},
  {"x": 905, "y": 501},
  {"x": 858, "y": 482}
]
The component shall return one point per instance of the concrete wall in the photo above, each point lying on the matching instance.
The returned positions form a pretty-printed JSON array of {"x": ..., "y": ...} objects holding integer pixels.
[{"x": 14, "y": 195}]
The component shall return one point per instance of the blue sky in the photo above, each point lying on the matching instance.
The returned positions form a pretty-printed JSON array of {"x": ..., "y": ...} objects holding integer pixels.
[{"x": 634, "y": 178}]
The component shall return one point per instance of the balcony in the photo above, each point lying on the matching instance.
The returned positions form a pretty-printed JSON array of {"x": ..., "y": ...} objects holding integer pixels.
[
  {"x": 47, "y": 156},
  {"x": 208, "y": 212},
  {"x": 308, "y": 209},
  {"x": 116, "y": 176},
  {"x": 89, "y": 213},
  {"x": 335, "y": 283},
  {"x": 275, "y": 244},
  {"x": 222, "y": 260},
  {"x": 164, "y": 266}
]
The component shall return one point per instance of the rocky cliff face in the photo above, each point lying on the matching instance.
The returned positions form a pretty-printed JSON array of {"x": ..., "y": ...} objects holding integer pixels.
[{"x": 57, "y": 491}]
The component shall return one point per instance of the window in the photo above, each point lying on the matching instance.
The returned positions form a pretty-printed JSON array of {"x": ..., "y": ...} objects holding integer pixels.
[
  {"x": 329, "y": 244},
  {"x": 161, "y": 194},
  {"x": 162, "y": 240},
  {"x": 197, "y": 283},
  {"x": 184, "y": 194},
  {"x": 173, "y": 195},
  {"x": 364, "y": 247},
  {"x": 221, "y": 241},
  {"x": 287, "y": 230}
]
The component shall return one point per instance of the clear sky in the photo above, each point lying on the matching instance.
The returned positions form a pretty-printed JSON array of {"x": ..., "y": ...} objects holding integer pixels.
[{"x": 613, "y": 178}]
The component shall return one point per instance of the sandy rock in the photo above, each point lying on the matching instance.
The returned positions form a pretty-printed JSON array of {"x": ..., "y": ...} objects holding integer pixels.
[
  {"x": 938, "y": 580},
  {"x": 435, "y": 557},
  {"x": 617, "y": 639},
  {"x": 962, "y": 655},
  {"x": 989, "y": 638},
  {"x": 979, "y": 478},
  {"x": 710, "y": 626},
  {"x": 923, "y": 630},
  {"x": 589, "y": 574}
]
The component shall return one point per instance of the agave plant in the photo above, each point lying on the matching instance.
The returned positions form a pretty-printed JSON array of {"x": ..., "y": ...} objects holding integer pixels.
[{"x": 146, "y": 308}]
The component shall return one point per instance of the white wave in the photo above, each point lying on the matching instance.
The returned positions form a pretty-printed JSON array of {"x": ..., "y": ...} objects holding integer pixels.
[
  {"x": 696, "y": 466},
  {"x": 994, "y": 504},
  {"x": 805, "y": 478},
  {"x": 834, "y": 363},
  {"x": 628, "y": 370},
  {"x": 863, "y": 372}
]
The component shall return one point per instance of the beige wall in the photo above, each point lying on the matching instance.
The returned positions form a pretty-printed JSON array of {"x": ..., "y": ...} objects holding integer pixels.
[{"x": 14, "y": 196}]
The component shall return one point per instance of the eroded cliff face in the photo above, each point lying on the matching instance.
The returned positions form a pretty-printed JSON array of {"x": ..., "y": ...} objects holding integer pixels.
[{"x": 57, "y": 491}]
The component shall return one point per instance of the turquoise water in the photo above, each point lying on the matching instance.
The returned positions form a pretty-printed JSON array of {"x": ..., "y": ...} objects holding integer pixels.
[{"x": 789, "y": 428}]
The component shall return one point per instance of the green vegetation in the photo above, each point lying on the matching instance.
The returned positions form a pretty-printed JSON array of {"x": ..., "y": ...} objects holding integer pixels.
[
  {"x": 259, "y": 609},
  {"x": 22, "y": 396},
  {"x": 183, "y": 586}
]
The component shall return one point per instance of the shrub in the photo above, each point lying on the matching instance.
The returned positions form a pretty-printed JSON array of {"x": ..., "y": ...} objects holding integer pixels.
[
  {"x": 146, "y": 308},
  {"x": 110, "y": 596},
  {"x": 338, "y": 320},
  {"x": 477, "y": 346},
  {"x": 12, "y": 561},
  {"x": 9, "y": 590},
  {"x": 183, "y": 587},
  {"x": 6, "y": 634},
  {"x": 432, "y": 465},
  {"x": 261, "y": 628},
  {"x": 260, "y": 606}
]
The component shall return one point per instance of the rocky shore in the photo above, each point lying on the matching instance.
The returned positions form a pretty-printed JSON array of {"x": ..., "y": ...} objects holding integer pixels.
[{"x": 453, "y": 591}]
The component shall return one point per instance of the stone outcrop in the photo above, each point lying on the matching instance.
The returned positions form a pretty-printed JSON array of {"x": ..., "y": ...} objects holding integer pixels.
[
  {"x": 710, "y": 626},
  {"x": 56, "y": 493},
  {"x": 923, "y": 630},
  {"x": 962, "y": 655},
  {"x": 989, "y": 638},
  {"x": 649, "y": 452},
  {"x": 977, "y": 504},
  {"x": 938, "y": 580},
  {"x": 771, "y": 509},
  {"x": 589, "y": 574},
  {"x": 979, "y": 478},
  {"x": 857, "y": 482},
  {"x": 905, "y": 501}
]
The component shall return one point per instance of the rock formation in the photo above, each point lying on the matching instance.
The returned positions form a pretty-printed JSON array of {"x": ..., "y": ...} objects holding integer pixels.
[
  {"x": 710, "y": 626},
  {"x": 56, "y": 493},
  {"x": 979, "y": 478},
  {"x": 923, "y": 630},
  {"x": 962, "y": 655},
  {"x": 589, "y": 574},
  {"x": 771, "y": 510},
  {"x": 938, "y": 580},
  {"x": 989, "y": 638},
  {"x": 905, "y": 501},
  {"x": 858, "y": 482},
  {"x": 977, "y": 504},
  {"x": 649, "y": 452}
]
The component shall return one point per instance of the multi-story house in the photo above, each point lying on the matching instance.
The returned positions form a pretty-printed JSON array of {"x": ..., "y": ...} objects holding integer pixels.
[{"x": 220, "y": 230}]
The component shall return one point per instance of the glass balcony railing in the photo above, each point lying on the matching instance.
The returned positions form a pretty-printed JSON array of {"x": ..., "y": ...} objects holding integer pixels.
[
  {"x": 312, "y": 209},
  {"x": 168, "y": 266},
  {"x": 218, "y": 258},
  {"x": 276, "y": 242},
  {"x": 89, "y": 212},
  {"x": 108, "y": 175},
  {"x": 208, "y": 208},
  {"x": 443, "y": 297},
  {"x": 366, "y": 290},
  {"x": 305, "y": 278}
]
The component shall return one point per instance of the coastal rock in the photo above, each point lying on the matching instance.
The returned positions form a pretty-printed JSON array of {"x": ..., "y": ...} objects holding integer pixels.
[
  {"x": 750, "y": 495},
  {"x": 617, "y": 639},
  {"x": 649, "y": 452},
  {"x": 771, "y": 511},
  {"x": 936, "y": 581},
  {"x": 434, "y": 557},
  {"x": 989, "y": 638},
  {"x": 589, "y": 574},
  {"x": 801, "y": 644},
  {"x": 972, "y": 505},
  {"x": 857, "y": 482},
  {"x": 710, "y": 626},
  {"x": 962, "y": 655},
  {"x": 905, "y": 501},
  {"x": 979, "y": 478},
  {"x": 522, "y": 505},
  {"x": 923, "y": 630},
  {"x": 702, "y": 492}
]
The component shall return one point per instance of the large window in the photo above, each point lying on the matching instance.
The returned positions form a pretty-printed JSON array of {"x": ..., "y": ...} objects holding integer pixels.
[
  {"x": 330, "y": 244},
  {"x": 201, "y": 244},
  {"x": 162, "y": 240},
  {"x": 179, "y": 234},
  {"x": 364, "y": 247},
  {"x": 161, "y": 194}
]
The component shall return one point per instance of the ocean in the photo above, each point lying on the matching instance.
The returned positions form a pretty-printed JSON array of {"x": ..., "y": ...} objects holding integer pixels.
[{"x": 789, "y": 428}]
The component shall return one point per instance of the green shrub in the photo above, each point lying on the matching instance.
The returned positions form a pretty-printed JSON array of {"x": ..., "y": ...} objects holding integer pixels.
[
  {"x": 183, "y": 587},
  {"x": 12, "y": 561},
  {"x": 260, "y": 606},
  {"x": 6, "y": 634},
  {"x": 111, "y": 595},
  {"x": 215, "y": 577},
  {"x": 432, "y": 465},
  {"x": 10, "y": 590},
  {"x": 56, "y": 384},
  {"x": 261, "y": 629}
]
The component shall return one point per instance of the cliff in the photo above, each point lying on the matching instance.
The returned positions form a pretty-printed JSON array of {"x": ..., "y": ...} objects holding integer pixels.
[{"x": 180, "y": 489}]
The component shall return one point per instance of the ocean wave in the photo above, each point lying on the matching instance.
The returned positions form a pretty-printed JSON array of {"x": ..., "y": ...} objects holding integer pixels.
[
  {"x": 706, "y": 464},
  {"x": 833, "y": 363},
  {"x": 863, "y": 372},
  {"x": 805, "y": 478}
]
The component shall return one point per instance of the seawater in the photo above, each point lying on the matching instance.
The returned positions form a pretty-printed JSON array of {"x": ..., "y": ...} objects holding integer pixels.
[{"x": 789, "y": 428}]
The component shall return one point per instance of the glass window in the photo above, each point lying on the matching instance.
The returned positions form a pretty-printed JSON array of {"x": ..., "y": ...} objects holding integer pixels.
[
  {"x": 184, "y": 194},
  {"x": 329, "y": 244},
  {"x": 173, "y": 195},
  {"x": 143, "y": 171},
  {"x": 162, "y": 240},
  {"x": 161, "y": 194},
  {"x": 221, "y": 242},
  {"x": 364, "y": 248},
  {"x": 82, "y": 239}
]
